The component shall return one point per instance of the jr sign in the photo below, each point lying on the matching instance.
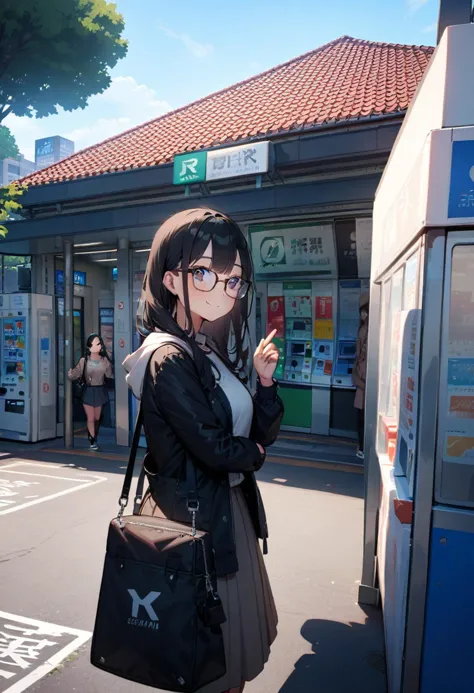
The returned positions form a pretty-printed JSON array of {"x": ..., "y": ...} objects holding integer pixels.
[
  {"x": 244, "y": 160},
  {"x": 189, "y": 168}
]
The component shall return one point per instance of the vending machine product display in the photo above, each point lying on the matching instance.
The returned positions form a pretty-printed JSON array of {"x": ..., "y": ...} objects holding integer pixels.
[
  {"x": 301, "y": 314},
  {"x": 27, "y": 367}
]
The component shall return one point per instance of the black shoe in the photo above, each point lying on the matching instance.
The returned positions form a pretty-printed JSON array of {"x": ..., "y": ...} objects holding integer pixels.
[{"x": 92, "y": 441}]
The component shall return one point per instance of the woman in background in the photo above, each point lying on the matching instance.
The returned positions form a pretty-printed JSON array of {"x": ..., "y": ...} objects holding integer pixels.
[
  {"x": 92, "y": 369},
  {"x": 359, "y": 372}
]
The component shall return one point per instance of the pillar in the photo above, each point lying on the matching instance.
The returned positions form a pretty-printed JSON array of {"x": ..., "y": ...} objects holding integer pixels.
[
  {"x": 68, "y": 342},
  {"x": 122, "y": 341}
]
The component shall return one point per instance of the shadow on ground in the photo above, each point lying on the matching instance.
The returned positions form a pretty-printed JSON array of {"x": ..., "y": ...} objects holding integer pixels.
[
  {"x": 346, "y": 658},
  {"x": 308, "y": 478},
  {"x": 314, "y": 479}
]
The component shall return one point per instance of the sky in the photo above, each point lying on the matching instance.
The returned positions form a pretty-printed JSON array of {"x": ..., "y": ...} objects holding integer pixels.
[{"x": 183, "y": 50}]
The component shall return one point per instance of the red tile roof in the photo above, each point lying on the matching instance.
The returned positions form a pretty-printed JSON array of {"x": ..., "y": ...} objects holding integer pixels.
[{"x": 345, "y": 80}]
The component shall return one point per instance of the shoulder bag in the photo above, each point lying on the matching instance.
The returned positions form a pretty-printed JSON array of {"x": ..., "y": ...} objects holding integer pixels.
[
  {"x": 78, "y": 386},
  {"x": 159, "y": 616}
]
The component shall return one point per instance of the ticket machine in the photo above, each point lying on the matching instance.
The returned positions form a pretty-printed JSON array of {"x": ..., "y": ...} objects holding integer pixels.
[
  {"x": 27, "y": 368},
  {"x": 419, "y": 512}
]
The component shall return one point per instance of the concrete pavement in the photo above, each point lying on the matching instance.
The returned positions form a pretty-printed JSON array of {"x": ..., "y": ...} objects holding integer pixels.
[{"x": 51, "y": 555}]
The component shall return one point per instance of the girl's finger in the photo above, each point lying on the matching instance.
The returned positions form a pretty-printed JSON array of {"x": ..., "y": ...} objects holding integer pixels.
[{"x": 269, "y": 338}]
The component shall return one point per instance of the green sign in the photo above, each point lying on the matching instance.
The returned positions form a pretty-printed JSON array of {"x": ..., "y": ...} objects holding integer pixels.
[{"x": 189, "y": 168}]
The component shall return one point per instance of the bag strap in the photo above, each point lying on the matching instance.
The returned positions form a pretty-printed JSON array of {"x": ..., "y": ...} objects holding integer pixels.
[{"x": 127, "y": 482}]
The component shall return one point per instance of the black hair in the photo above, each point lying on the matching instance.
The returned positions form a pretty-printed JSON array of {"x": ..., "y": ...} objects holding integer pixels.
[
  {"x": 103, "y": 350},
  {"x": 178, "y": 243}
]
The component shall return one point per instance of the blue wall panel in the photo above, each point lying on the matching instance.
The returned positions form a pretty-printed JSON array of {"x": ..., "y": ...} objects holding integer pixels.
[{"x": 448, "y": 656}]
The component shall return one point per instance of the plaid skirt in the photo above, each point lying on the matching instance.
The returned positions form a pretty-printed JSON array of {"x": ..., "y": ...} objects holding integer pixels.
[
  {"x": 95, "y": 395},
  {"x": 247, "y": 598}
]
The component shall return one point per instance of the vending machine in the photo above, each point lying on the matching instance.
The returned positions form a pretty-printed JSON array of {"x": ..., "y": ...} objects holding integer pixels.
[
  {"x": 27, "y": 367},
  {"x": 419, "y": 437}
]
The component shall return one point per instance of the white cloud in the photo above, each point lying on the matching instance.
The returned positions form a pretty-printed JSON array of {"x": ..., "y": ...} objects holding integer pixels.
[
  {"x": 126, "y": 92},
  {"x": 199, "y": 50},
  {"x": 415, "y": 5},
  {"x": 430, "y": 29},
  {"x": 125, "y": 104},
  {"x": 100, "y": 130}
]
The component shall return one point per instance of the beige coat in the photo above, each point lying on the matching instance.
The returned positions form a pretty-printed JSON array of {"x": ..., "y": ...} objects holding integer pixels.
[{"x": 359, "y": 372}]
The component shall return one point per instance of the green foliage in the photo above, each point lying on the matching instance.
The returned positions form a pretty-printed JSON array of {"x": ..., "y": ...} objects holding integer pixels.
[
  {"x": 9, "y": 203},
  {"x": 8, "y": 145},
  {"x": 56, "y": 53}
]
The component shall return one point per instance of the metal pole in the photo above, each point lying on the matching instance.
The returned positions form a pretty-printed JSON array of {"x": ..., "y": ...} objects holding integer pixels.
[
  {"x": 453, "y": 12},
  {"x": 68, "y": 343}
]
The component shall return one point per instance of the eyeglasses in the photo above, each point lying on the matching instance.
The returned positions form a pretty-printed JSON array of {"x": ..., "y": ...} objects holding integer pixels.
[{"x": 205, "y": 279}]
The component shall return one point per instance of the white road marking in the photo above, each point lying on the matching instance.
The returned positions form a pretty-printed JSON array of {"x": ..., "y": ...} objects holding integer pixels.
[
  {"x": 87, "y": 481},
  {"x": 81, "y": 637}
]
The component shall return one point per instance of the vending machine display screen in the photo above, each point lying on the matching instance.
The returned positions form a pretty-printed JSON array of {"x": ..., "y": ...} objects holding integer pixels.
[{"x": 13, "y": 351}]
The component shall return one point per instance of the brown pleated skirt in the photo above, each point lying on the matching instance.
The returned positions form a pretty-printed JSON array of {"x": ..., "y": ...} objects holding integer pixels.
[{"x": 251, "y": 625}]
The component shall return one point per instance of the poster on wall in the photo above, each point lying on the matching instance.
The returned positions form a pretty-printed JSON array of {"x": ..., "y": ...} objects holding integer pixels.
[
  {"x": 346, "y": 247},
  {"x": 407, "y": 424},
  {"x": 348, "y": 328},
  {"x": 276, "y": 315},
  {"x": 459, "y": 417},
  {"x": 461, "y": 324},
  {"x": 323, "y": 307},
  {"x": 323, "y": 329},
  {"x": 106, "y": 321},
  {"x": 407, "y": 329},
  {"x": 293, "y": 248},
  {"x": 363, "y": 246},
  {"x": 349, "y": 302}
]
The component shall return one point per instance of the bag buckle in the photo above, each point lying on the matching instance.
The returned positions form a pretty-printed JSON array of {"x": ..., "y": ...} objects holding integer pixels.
[
  {"x": 123, "y": 504},
  {"x": 193, "y": 507}
]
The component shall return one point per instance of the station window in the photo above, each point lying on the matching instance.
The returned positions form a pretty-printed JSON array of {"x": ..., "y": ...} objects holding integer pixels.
[
  {"x": 398, "y": 374},
  {"x": 15, "y": 273}
]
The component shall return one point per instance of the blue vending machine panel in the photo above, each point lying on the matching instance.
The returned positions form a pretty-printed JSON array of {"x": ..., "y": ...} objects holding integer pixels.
[{"x": 449, "y": 626}]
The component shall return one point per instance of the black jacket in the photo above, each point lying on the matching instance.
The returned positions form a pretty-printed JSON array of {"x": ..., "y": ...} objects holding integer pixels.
[{"x": 190, "y": 445}]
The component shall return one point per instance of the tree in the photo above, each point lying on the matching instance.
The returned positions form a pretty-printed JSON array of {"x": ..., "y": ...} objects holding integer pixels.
[
  {"x": 8, "y": 146},
  {"x": 9, "y": 205},
  {"x": 56, "y": 53}
]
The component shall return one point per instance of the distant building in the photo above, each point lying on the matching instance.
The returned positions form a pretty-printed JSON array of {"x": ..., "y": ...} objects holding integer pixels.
[
  {"x": 12, "y": 169},
  {"x": 50, "y": 150}
]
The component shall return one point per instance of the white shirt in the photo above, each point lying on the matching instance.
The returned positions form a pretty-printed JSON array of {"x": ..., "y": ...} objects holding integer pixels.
[{"x": 241, "y": 404}]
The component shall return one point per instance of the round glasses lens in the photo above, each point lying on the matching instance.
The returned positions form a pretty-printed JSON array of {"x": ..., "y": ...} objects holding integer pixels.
[
  {"x": 236, "y": 287},
  {"x": 204, "y": 279}
]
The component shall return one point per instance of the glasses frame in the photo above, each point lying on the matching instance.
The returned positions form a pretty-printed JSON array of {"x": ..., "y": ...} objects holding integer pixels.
[{"x": 246, "y": 282}]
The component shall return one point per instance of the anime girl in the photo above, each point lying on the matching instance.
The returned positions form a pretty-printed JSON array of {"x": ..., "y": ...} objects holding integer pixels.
[
  {"x": 190, "y": 374},
  {"x": 92, "y": 369}
]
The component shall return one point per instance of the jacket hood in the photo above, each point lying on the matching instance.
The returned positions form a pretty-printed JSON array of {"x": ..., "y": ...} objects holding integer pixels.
[{"x": 136, "y": 364}]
